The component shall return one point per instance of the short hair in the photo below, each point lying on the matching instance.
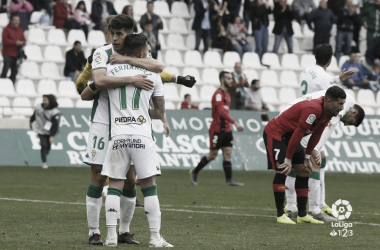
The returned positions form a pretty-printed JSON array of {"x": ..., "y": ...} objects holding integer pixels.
[
  {"x": 109, "y": 18},
  {"x": 254, "y": 81},
  {"x": 121, "y": 21},
  {"x": 149, "y": 2},
  {"x": 13, "y": 16},
  {"x": 148, "y": 22},
  {"x": 77, "y": 42},
  {"x": 359, "y": 116},
  {"x": 135, "y": 43},
  {"x": 323, "y": 53},
  {"x": 52, "y": 101},
  {"x": 221, "y": 75},
  {"x": 187, "y": 95},
  {"x": 334, "y": 93}
]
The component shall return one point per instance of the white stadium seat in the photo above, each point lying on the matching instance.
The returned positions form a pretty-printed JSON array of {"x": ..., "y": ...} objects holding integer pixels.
[
  {"x": 206, "y": 93},
  {"x": 50, "y": 70},
  {"x": 251, "y": 74},
  {"x": 378, "y": 97},
  {"x": 307, "y": 32},
  {"x": 190, "y": 42},
  {"x": 161, "y": 38},
  {"x": 37, "y": 36},
  {"x": 307, "y": 60},
  {"x": 230, "y": 58},
  {"x": 119, "y": 5},
  {"x": 161, "y": 8},
  {"x": 165, "y": 29},
  {"x": 252, "y": 60},
  {"x": 67, "y": 89},
  {"x": 22, "y": 106},
  {"x": 269, "y": 95},
  {"x": 297, "y": 30},
  {"x": 169, "y": 105},
  {"x": 37, "y": 101},
  {"x": 65, "y": 102},
  {"x": 139, "y": 8},
  {"x": 4, "y": 21},
  {"x": 204, "y": 105},
  {"x": 368, "y": 110},
  {"x": 378, "y": 111},
  {"x": 192, "y": 91},
  {"x": 269, "y": 78},
  {"x": 290, "y": 61},
  {"x": 351, "y": 93},
  {"x": 178, "y": 25},
  {"x": 47, "y": 87},
  {"x": 33, "y": 52},
  {"x": 287, "y": 95},
  {"x": 76, "y": 35},
  {"x": 193, "y": 58},
  {"x": 7, "y": 88},
  {"x": 212, "y": 59},
  {"x": 307, "y": 43},
  {"x": 180, "y": 9},
  {"x": 53, "y": 53},
  {"x": 193, "y": 72},
  {"x": 343, "y": 59},
  {"x": 1, "y": 35},
  {"x": 36, "y": 16},
  {"x": 5, "y": 105},
  {"x": 272, "y": 60},
  {"x": 173, "y": 57},
  {"x": 175, "y": 41},
  {"x": 30, "y": 70},
  {"x": 289, "y": 78},
  {"x": 25, "y": 87},
  {"x": 96, "y": 38},
  {"x": 172, "y": 70},
  {"x": 56, "y": 37},
  {"x": 210, "y": 76},
  {"x": 334, "y": 65},
  {"x": 171, "y": 92},
  {"x": 366, "y": 97},
  {"x": 83, "y": 104}
]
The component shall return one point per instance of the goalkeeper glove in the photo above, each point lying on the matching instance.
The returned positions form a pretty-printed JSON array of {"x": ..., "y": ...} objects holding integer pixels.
[{"x": 187, "y": 81}]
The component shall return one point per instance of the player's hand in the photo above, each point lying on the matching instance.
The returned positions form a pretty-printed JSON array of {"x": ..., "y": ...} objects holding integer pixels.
[
  {"x": 51, "y": 140},
  {"x": 80, "y": 85},
  {"x": 307, "y": 164},
  {"x": 187, "y": 81},
  {"x": 238, "y": 126},
  {"x": 166, "y": 129},
  {"x": 344, "y": 75},
  {"x": 117, "y": 58},
  {"x": 317, "y": 157},
  {"x": 287, "y": 166},
  {"x": 140, "y": 81}
]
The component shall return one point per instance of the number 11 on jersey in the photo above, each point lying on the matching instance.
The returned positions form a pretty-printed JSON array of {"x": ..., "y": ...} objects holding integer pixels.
[{"x": 135, "y": 99}]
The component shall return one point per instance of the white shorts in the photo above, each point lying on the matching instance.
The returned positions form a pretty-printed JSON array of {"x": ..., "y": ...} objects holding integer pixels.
[
  {"x": 97, "y": 144},
  {"x": 123, "y": 149}
]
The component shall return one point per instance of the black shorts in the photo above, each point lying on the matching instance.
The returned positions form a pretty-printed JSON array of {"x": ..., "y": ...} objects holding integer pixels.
[
  {"x": 220, "y": 139},
  {"x": 276, "y": 152}
]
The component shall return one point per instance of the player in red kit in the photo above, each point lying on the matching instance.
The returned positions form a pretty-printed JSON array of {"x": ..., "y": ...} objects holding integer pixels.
[
  {"x": 220, "y": 131},
  {"x": 282, "y": 137}
]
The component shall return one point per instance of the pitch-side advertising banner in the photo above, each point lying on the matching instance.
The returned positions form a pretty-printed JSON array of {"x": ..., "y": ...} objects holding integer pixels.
[{"x": 353, "y": 150}]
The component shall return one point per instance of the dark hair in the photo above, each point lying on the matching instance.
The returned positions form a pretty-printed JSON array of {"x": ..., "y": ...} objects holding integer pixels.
[
  {"x": 79, "y": 3},
  {"x": 125, "y": 9},
  {"x": 52, "y": 101},
  {"x": 109, "y": 18},
  {"x": 187, "y": 95},
  {"x": 149, "y": 2},
  {"x": 148, "y": 22},
  {"x": 14, "y": 15},
  {"x": 254, "y": 81},
  {"x": 359, "y": 116},
  {"x": 323, "y": 53},
  {"x": 135, "y": 43},
  {"x": 77, "y": 42},
  {"x": 121, "y": 21},
  {"x": 334, "y": 93},
  {"x": 221, "y": 75}
]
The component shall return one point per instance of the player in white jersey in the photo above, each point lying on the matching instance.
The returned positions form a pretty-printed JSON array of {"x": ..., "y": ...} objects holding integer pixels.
[
  {"x": 131, "y": 139},
  {"x": 315, "y": 78},
  {"x": 351, "y": 115}
]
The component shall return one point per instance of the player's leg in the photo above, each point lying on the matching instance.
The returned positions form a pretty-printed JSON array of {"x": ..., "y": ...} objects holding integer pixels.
[
  {"x": 44, "y": 139},
  {"x": 226, "y": 141},
  {"x": 291, "y": 196},
  {"x": 314, "y": 188},
  {"x": 326, "y": 209},
  {"x": 127, "y": 207}
]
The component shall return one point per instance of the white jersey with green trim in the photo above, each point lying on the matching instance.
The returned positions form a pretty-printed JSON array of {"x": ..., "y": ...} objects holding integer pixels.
[
  {"x": 100, "y": 60},
  {"x": 128, "y": 105},
  {"x": 314, "y": 79}
]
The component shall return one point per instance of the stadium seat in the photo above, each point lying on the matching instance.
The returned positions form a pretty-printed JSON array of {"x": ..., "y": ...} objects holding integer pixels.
[
  {"x": 35, "y": 17},
  {"x": 271, "y": 107},
  {"x": 160, "y": 58},
  {"x": 252, "y": 60},
  {"x": 67, "y": 89},
  {"x": 169, "y": 105},
  {"x": 269, "y": 95},
  {"x": 119, "y": 5},
  {"x": 190, "y": 42},
  {"x": 76, "y": 35},
  {"x": 287, "y": 95},
  {"x": 307, "y": 60},
  {"x": 290, "y": 61},
  {"x": 172, "y": 70},
  {"x": 7, "y": 88},
  {"x": 351, "y": 93},
  {"x": 190, "y": 24},
  {"x": 192, "y": 11},
  {"x": 33, "y": 52},
  {"x": 25, "y": 87},
  {"x": 270, "y": 28},
  {"x": 334, "y": 65},
  {"x": 88, "y": 4},
  {"x": 46, "y": 87},
  {"x": 178, "y": 25},
  {"x": 272, "y": 60},
  {"x": 307, "y": 44},
  {"x": 96, "y": 38},
  {"x": 165, "y": 25},
  {"x": 251, "y": 74},
  {"x": 36, "y": 36},
  {"x": 65, "y": 102},
  {"x": 180, "y": 9},
  {"x": 22, "y": 106},
  {"x": 378, "y": 97},
  {"x": 5, "y": 105},
  {"x": 343, "y": 59},
  {"x": 210, "y": 76},
  {"x": 161, "y": 8},
  {"x": 57, "y": 37},
  {"x": 175, "y": 41},
  {"x": 282, "y": 108},
  {"x": 83, "y": 104},
  {"x": 204, "y": 105},
  {"x": 139, "y": 8},
  {"x": 368, "y": 110},
  {"x": 378, "y": 111},
  {"x": 161, "y": 38},
  {"x": 307, "y": 32},
  {"x": 171, "y": 92},
  {"x": 297, "y": 30},
  {"x": 366, "y": 97},
  {"x": 50, "y": 70},
  {"x": 30, "y": 70},
  {"x": 297, "y": 48},
  {"x": 193, "y": 72},
  {"x": 212, "y": 59},
  {"x": 269, "y": 78},
  {"x": 37, "y": 101},
  {"x": 289, "y": 78},
  {"x": 206, "y": 93},
  {"x": 4, "y": 19},
  {"x": 251, "y": 41},
  {"x": 192, "y": 91},
  {"x": 173, "y": 57},
  {"x": 230, "y": 58},
  {"x": 193, "y": 58},
  {"x": 53, "y": 53},
  {"x": 1, "y": 35}
]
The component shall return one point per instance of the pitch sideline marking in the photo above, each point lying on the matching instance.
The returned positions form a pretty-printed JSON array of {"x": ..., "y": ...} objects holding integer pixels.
[{"x": 167, "y": 209}]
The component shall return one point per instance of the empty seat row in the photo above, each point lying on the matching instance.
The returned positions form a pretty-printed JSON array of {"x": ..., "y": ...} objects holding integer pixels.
[
  {"x": 205, "y": 93},
  {"x": 49, "y": 70}
]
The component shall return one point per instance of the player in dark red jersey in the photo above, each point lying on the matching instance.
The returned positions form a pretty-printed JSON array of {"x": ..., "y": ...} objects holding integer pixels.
[
  {"x": 220, "y": 131},
  {"x": 282, "y": 137}
]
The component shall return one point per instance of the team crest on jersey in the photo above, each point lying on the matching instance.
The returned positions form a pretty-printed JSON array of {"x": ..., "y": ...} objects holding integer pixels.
[
  {"x": 93, "y": 153},
  {"x": 311, "y": 119}
]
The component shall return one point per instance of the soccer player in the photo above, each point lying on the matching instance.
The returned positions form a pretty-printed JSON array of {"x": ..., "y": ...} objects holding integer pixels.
[
  {"x": 351, "y": 115},
  {"x": 220, "y": 131},
  {"x": 131, "y": 139},
  {"x": 282, "y": 137}
]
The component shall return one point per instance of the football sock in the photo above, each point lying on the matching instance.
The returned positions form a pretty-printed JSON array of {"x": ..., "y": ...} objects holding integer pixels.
[
  {"x": 314, "y": 192},
  {"x": 302, "y": 193},
  {"x": 127, "y": 208},
  {"x": 279, "y": 192},
  {"x": 290, "y": 191},
  {"x": 227, "y": 167},
  {"x": 322, "y": 202},
  {"x": 112, "y": 210},
  {"x": 93, "y": 206},
  {"x": 152, "y": 210},
  {"x": 201, "y": 165}
]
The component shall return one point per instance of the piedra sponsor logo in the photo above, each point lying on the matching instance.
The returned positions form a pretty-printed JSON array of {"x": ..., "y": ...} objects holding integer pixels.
[{"x": 130, "y": 120}]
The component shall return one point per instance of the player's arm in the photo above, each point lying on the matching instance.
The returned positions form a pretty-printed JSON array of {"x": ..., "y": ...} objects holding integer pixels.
[
  {"x": 166, "y": 126},
  {"x": 88, "y": 94},
  {"x": 84, "y": 77},
  {"x": 314, "y": 139},
  {"x": 222, "y": 112},
  {"x": 149, "y": 64},
  {"x": 159, "y": 107},
  {"x": 187, "y": 81}
]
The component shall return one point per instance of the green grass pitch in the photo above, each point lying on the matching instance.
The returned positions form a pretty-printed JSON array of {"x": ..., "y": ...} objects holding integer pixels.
[{"x": 208, "y": 216}]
